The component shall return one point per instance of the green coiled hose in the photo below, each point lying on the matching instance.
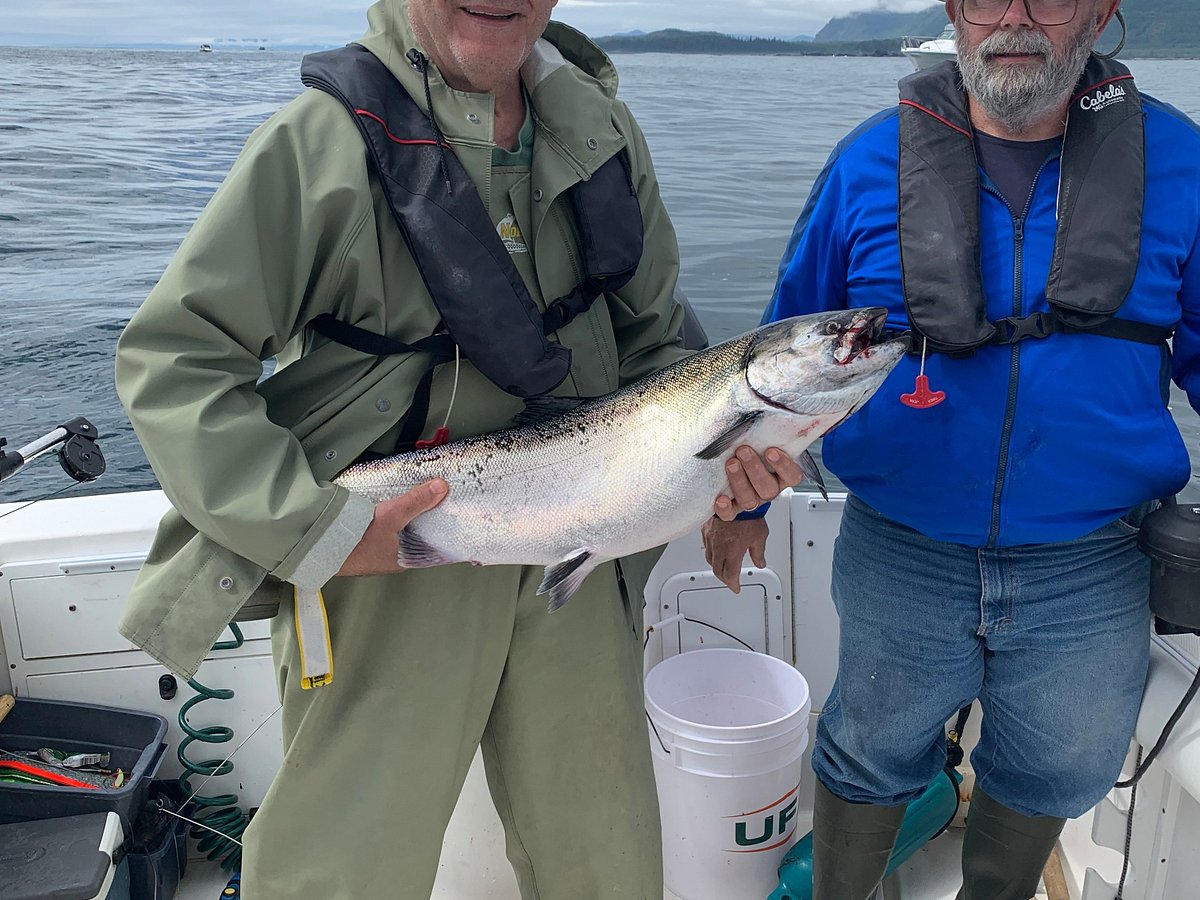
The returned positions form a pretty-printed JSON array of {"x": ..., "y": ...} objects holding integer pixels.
[{"x": 221, "y": 813}]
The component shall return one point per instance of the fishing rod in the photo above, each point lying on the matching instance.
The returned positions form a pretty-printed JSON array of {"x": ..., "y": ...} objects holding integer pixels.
[{"x": 75, "y": 443}]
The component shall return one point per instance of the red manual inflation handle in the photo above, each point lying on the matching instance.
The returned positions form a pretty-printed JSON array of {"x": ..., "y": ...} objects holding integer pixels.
[
  {"x": 923, "y": 397},
  {"x": 441, "y": 436}
]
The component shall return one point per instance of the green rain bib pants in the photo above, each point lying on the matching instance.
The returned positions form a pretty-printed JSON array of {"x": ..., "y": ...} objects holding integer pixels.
[{"x": 428, "y": 665}]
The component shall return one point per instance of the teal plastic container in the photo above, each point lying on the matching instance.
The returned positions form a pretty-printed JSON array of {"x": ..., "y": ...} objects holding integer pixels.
[{"x": 926, "y": 817}]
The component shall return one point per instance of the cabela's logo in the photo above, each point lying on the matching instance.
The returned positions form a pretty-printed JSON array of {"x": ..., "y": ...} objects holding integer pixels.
[
  {"x": 766, "y": 828},
  {"x": 1114, "y": 93}
]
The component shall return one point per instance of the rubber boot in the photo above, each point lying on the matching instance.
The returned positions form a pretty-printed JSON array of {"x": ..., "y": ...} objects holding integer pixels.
[
  {"x": 1004, "y": 852},
  {"x": 852, "y": 843}
]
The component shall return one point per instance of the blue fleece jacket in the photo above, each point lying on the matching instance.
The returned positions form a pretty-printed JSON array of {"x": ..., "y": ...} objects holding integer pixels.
[{"x": 1042, "y": 441}]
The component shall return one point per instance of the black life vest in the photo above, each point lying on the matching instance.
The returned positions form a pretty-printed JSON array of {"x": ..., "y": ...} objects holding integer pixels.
[
  {"x": 483, "y": 301},
  {"x": 1098, "y": 238}
]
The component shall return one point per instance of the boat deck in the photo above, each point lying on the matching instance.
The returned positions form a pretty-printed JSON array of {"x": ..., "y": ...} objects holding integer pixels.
[{"x": 931, "y": 874}]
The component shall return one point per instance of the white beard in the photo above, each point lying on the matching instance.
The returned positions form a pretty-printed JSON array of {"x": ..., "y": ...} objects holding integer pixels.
[{"x": 1020, "y": 97}]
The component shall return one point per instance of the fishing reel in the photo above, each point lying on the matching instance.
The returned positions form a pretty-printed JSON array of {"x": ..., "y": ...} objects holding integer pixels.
[
  {"x": 1170, "y": 536},
  {"x": 78, "y": 452}
]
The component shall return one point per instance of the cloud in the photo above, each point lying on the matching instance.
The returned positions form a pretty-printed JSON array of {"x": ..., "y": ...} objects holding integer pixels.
[{"x": 336, "y": 21}]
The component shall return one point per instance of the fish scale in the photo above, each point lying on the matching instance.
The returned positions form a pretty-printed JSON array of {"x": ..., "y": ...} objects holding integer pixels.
[{"x": 637, "y": 468}]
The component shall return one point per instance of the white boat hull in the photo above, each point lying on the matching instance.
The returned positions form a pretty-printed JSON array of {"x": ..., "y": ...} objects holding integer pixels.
[
  {"x": 926, "y": 52},
  {"x": 923, "y": 59},
  {"x": 65, "y": 564}
]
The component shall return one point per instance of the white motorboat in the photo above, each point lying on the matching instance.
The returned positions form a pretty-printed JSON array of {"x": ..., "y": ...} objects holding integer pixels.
[
  {"x": 67, "y": 564},
  {"x": 925, "y": 52}
]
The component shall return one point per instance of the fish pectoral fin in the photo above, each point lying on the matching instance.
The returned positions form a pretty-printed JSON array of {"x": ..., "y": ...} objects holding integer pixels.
[
  {"x": 543, "y": 409},
  {"x": 564, "y": 578},
  {"x": 727, "y": 438},
  {"x": 812, "y": 472},
  {"x": 417, "y": 553}
]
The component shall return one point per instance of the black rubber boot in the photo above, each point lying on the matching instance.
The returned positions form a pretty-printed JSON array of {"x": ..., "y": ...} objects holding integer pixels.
[
  {"x": 1004, "y": 851},
  {"x": 852, "y": 843}
]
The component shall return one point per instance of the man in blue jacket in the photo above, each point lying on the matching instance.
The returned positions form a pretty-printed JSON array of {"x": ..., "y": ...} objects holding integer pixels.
[{"x": 1036, "y": 222}]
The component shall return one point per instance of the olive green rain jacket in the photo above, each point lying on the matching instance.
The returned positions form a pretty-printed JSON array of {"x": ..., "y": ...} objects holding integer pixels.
[{"x": 300, "y": 227}]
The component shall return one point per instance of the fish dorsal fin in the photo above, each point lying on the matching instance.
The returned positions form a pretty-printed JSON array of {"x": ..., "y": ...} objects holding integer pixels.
[
  {"x": 726, "y": 439},
  {"x": 564, "y": 578},
  {"x": 542, "y": 409},
  {"x": 812, "y": 472}
]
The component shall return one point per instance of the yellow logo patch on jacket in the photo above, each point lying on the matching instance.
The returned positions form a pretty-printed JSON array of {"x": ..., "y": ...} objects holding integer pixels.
[{"x": 510, "y": 234}]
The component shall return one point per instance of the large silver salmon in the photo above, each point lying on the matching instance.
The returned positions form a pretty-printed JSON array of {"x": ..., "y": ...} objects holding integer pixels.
[{"x": 641, "y": 466}]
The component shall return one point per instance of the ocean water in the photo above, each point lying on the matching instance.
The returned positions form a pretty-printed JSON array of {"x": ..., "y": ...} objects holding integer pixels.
[{"x": 107, "y": 156}]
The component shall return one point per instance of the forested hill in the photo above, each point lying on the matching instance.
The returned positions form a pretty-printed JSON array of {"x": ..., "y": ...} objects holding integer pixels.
[
  {"x": 674, "y": 40},
  {"x": 866, "y": 26},
  {"x": 1156, "y": 27},
  {"x": 1163, "y": 26}
]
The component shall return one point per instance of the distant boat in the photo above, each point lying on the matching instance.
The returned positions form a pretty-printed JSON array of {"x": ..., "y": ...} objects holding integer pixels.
[
  {"x": 206, "y": 48},
  {"x": 923, "y": 51}
]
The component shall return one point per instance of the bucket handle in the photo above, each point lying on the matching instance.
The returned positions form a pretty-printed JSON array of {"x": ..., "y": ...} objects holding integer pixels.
[
  {"x": 672, "y": 620},
  {"x": 680, "y": 617},
  {"x": 657, "y": 735}
]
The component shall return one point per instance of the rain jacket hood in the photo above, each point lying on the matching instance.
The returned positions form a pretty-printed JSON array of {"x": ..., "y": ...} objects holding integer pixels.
[{"x": 563, "y": 62}]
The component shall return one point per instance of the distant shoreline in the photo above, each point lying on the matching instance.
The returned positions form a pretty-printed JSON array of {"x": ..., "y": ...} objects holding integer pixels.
[
  {"x": 673, "y": 42},
  {"x": 174, "y": 48},
  {"x": 1138, "y": 54},
  {"x": 716, "y": 44}
]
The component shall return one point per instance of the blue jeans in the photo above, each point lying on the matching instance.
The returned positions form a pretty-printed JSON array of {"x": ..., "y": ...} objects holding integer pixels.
[{"x": 1053, "y": 639}]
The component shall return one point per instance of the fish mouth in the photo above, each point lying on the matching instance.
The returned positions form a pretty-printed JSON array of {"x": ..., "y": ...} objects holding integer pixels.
[
  {"x": 816, "y": 364},
  {"x": 856, "y": 338}
]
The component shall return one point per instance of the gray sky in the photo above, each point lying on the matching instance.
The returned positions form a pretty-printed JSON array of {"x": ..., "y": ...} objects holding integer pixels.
[{"x": 336, "y": 21}]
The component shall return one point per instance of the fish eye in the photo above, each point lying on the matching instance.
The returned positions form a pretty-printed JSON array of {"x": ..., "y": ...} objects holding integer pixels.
[{"x": 832, "y": 328}]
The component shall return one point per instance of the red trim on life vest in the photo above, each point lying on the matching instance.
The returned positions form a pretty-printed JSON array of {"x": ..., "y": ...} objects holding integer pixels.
[
  {"x": 392, "y": 137},
  {"x": 945, "y": 122}
]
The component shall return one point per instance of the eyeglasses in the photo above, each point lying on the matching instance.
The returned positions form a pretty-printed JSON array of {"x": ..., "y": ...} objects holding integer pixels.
[{"x": 1043, "y": 12}]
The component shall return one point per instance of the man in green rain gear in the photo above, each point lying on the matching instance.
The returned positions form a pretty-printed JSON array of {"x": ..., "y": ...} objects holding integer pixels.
[{"x": 430, "y": 663}]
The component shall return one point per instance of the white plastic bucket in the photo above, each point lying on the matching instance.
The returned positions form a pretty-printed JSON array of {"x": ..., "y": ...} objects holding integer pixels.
[{"x": 729, "y": 729}]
